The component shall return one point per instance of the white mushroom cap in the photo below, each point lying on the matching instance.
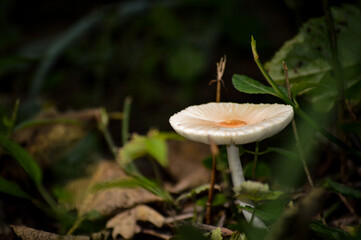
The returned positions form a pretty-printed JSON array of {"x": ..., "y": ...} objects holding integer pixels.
[{"x": 231, "y": 123}]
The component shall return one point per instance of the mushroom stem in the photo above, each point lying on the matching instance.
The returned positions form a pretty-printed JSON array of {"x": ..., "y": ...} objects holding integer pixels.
[{"x": 235, "y": 166}]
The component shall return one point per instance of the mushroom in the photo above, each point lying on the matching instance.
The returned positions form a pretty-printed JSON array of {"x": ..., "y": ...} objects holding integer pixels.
[{"x": 232, "y": 124}]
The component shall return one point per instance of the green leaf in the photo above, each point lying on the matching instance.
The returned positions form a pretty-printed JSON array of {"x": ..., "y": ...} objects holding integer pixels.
[
  {"x": 12, "y": 188},
  {"x": 157, "y": 148},
  {"x": 25, "y": 160},
  {"x": 256, "y": 191},
  {"x": 310, "y": 62},
  {"x": 342, "y": 189},
  {"x": 194, "y": 192},
  {"x": 216, "y": 234},
  {"x": 136, "y": 181},
  {"x": 328, "y": 233},
  {"x": 248, "y": 85},
  {"x": 134, "y": 149},
  {"x": 265, "y": 216},
  {"x": 301, "y": 87},
  {"x": 153, "y": 144}
]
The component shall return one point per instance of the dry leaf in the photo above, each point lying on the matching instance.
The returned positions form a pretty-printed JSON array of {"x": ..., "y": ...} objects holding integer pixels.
[
  {"x": 185, "y": 164},
  {"x": 48, "y": 142},
  {"x": 125, "y": 223},
  {"x": 106, "y": 201},
  {"x": 26, "y": 233}
]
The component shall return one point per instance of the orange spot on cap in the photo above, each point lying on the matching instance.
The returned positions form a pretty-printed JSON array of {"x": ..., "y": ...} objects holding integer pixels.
[{"x": 232, "y": 123}]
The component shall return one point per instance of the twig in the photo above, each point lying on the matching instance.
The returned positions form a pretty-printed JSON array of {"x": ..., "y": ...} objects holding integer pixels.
[
  {"x": 295, "y": 132},
  {"x": 225, "y": 232},
  {"x": 156, "y": 234},
  {"x": 347, "y": 204},
  {"x": 285, "y": 70},
  {"x": 221, "y": 65},
  {"x": 178, "y": 218},
  {"x": 214, "y": 150}
]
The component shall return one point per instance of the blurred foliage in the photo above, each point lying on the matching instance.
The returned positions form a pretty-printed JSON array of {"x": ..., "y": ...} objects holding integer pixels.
[
  {"x": 162, "y": 53},
  {"x": 310, "y": 61}
]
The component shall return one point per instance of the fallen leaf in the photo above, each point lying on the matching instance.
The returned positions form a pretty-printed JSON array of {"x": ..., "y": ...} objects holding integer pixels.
[
  {"x": 26, "y": 233},
  {"x": 51, "y": 134},
  {"x": 106, "y": 201},
  {"x": 125, "y": 223},
  {"x": 185, "y": 164}
]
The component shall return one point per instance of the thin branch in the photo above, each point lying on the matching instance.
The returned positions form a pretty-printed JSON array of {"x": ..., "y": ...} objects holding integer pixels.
[
  {"x": 295, "y": 132},
  {"x": 347, "y": 204},
  {"x": 221, "y": 65}
]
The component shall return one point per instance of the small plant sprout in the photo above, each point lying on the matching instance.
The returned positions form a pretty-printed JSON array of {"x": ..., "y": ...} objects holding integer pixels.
[{"x": 232, "y": 124}]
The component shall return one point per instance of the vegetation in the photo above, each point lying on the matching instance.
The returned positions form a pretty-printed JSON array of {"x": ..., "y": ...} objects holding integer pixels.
[{"x": 73, "y": 166}]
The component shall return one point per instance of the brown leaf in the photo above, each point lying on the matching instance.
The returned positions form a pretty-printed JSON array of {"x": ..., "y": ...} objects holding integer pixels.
[
  {"x": 26, "y": 233},
  {"x": 49, "y": 142},
  {"x": 106, "y": 201},
  {"x": 125, "y": 223},
  {"x": 185, "y": 164}
]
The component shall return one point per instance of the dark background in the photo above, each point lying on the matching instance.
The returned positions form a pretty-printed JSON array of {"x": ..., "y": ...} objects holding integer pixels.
[{"x": 161, "y": 53}]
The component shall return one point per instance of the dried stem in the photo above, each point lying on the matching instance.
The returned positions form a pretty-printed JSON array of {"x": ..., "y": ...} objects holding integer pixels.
[
  {"x": 225, "y": 232},
  {"x": 302, "y": 156},
  {"x": 221, "y": 65},
  {"x": 347, "y": 204},
  {"x": 285, "y": 69},
  {"x": 214, "y": 150},
  {"x": 295, "y": 132}
]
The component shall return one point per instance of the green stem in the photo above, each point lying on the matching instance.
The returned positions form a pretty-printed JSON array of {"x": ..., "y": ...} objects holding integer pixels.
[
  {"x": 157, "y": 173},
  {"x": 255, "y": 160},
  {"x": 125, "y": 121},
  {"x": 109, "y": 141},
  {"x": 259, "y": 153},
  {"x": 253, "y": 215},
  {"x": 302, "y": 156},
  {"x": 47, "y": 197},
  {"x": 279, "y": 92},
  {"x": 76, "y": 225}
]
